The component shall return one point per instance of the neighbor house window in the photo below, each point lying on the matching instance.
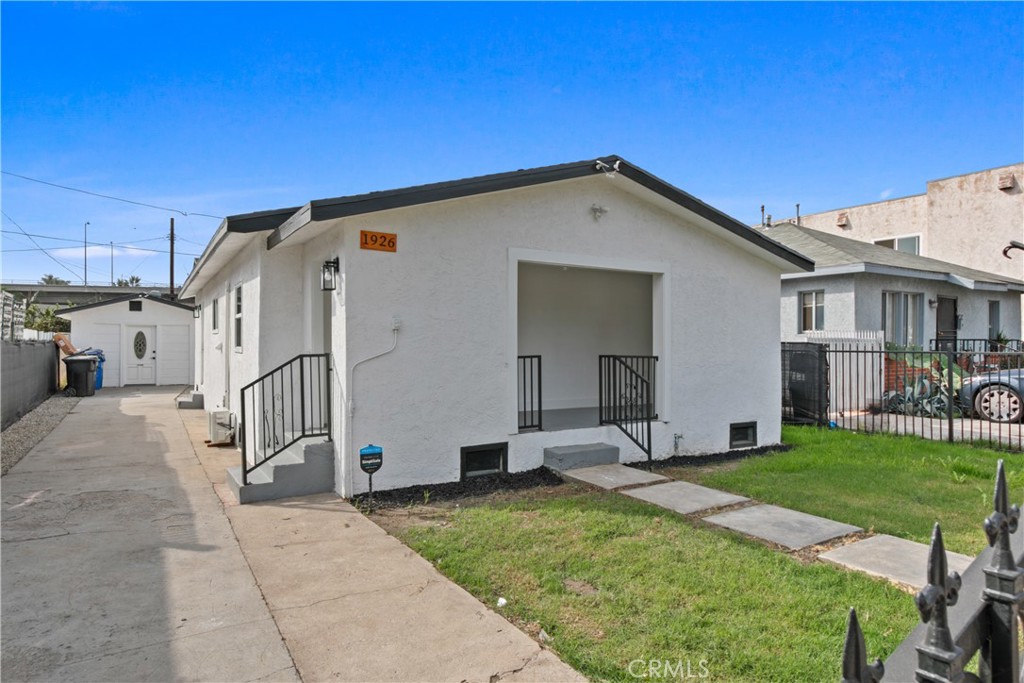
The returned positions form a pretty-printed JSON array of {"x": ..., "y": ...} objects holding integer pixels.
[
  {"x": 812, "y": 311},
  {"x": 902, "y": 318},
  {"x": 908, "y": 245},
  {"x": 993, "y": 320},
  {"x": 215, "y": 316},
  {"x": 238, "y": 318}
]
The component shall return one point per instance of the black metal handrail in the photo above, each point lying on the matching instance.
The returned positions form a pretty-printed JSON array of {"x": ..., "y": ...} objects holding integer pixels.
[
  {"x": 530, "y": 399},
  {"x": 626, "y": 396},
  {"x": 291, "y": 402}
]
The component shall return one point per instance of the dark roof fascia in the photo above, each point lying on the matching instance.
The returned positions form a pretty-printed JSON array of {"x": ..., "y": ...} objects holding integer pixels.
[
  {"x": 341, "y": 207},
  {"x": 706, "y": 211},
  {"x": 122, "y": 299},
  {"x": 259, "y": 220}
]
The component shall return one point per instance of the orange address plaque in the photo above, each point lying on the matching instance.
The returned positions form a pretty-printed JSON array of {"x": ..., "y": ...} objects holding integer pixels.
[{"x": 378, "y": 241}]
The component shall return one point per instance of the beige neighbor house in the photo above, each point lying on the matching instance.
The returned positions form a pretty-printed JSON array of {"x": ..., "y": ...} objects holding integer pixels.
[
  {"x": 966, "y": 219},
  {"x": 474, "y": 325}
]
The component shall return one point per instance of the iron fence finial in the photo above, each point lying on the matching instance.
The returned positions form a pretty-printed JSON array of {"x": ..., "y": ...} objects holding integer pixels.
[
  {"x": 939, "y": 657},
  {"x": 855, "y": 656},
  {"x": 1001, "y": 523}
]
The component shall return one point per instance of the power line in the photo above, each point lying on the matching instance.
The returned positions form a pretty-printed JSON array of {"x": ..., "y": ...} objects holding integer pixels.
[
  {"x": 47, "y": 250},
  {"x": 107, "y": 196},
  {"x": 77, "y": 241},
  {"x": 53, "y": 258}
]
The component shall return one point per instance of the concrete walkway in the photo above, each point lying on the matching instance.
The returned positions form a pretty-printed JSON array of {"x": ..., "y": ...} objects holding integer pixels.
[
  {"x": 119, "y": 564},
  {"x": 896, "y": 559}
]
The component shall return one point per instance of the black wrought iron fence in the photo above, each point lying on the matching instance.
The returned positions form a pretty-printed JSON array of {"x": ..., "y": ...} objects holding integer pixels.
[
  {"x": 805, "y": 383},
  {"x": 977, "y": 345},
  {"x": 961, "y": 615},
  {"x": 941, "y": 395}
]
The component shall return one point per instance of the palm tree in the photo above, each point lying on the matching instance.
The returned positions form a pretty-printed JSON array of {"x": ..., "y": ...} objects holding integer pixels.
[
  {"x": 49, "y": 279},
  {"x": 131, "y": 281}
]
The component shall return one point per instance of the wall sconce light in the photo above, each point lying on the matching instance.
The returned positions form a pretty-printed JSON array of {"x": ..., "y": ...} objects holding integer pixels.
[
  {"x": 197, "y": 311},
  {"x": 932, "y": 303},
  {"x": 329, "y": 275}
]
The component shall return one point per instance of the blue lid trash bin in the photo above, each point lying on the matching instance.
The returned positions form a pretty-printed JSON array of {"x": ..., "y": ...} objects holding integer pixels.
[{"x": 81, "y": 375}]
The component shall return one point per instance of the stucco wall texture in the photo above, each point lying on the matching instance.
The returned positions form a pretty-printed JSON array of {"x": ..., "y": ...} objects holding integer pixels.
[
  {"x": 966, "y": 219},
  {"x": 453, "y": 289}
]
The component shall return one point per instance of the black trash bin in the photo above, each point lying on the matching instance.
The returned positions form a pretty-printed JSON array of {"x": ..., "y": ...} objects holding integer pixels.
[{"x": 82, "y": 374}]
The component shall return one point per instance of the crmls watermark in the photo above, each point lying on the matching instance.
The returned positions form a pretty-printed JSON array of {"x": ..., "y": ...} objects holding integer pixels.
[{"x": 681, "y": 669}]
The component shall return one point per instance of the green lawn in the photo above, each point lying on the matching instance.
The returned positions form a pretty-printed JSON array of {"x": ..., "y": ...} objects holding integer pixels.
[
  {"x": 613, "y": 580},
  {"x": 890, "y": 484}
]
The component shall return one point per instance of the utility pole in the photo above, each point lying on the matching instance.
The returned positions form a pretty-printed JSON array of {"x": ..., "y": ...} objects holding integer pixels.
[
  {"x": 85, "y": 251},
  {"x": 111, "y": 264},
  {"x": 172, "y": 258}
]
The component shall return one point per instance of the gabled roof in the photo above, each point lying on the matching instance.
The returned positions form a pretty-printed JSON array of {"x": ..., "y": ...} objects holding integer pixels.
[
  {"x": 284, "y": 223},
  {"x": 122, "y": 299},
  {"x": 836, "y": 255}
]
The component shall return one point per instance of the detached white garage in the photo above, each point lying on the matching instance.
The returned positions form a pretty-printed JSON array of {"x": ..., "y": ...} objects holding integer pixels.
[{"x": 146, "y": 339}]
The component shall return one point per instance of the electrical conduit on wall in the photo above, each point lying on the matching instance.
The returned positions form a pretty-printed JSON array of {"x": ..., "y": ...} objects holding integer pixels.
[{"x": 351, "y": 406}]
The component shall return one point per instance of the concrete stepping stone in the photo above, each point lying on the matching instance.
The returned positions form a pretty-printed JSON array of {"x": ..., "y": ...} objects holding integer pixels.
[
  {"x": 892, "y": 558},
  {"x": 684, "y": 497},
  {"x": 788, "y": 528},
  {"x": 611, "y": 477}
]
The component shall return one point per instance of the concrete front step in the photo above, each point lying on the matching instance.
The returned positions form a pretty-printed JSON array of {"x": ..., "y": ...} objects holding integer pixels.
[
  {"x": 194, "y": 401},
  {"x": 561, "y": 458},
  {"x": 302, "y": 469},
  {"x": 613, "y": 477}
]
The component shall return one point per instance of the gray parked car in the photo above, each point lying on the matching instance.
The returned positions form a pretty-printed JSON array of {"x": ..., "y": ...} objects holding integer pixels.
[{"x": 995, "y": 396}]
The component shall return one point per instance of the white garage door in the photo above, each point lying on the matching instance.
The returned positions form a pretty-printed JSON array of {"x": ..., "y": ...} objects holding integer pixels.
[
  {"x": 108, "y": 338},
  {"x": 174, "y": 354}
]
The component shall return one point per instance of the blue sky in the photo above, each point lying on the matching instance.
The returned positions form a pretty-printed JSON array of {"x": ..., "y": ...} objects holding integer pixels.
[{"x": 225, "y": 108}]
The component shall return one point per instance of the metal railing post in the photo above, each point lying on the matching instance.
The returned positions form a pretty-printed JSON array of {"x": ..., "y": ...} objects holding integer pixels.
[{"x": 241, "y": 437}]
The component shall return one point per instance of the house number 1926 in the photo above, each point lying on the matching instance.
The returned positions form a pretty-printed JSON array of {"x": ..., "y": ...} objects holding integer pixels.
[{"x": 378, "y": 241}]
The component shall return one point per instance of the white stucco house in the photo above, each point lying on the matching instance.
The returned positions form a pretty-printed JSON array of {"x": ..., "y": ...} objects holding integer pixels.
[
  {"x": 470, "y": 325},
  {"x": 146, "y": 339},
  {"x": 911, "y": 299}
]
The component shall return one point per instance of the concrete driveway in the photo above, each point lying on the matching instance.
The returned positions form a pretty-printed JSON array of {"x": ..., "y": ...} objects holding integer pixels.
[
  {"x": 118, "y": 562},
  {"x": 121, "y": 563}
]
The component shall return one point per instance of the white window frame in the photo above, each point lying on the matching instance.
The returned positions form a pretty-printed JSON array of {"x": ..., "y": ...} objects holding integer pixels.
[
  {"x": 237, "y": 319},
  {"x": 818, "y": 310},
  {"x": 903, "y": 318},
  {"x": 895, "y": 243}
]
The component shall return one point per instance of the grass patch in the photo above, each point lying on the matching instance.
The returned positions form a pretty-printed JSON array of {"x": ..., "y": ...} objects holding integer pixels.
[
  {"x": 613, "y": 580},
  {"x": 897, "y": 485}
]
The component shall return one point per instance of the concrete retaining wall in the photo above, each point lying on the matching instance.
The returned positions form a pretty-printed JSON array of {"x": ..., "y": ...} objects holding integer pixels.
[{"x": 29, "y": 377}]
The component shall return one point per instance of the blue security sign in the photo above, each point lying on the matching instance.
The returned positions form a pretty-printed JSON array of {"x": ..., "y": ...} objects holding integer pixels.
[{"x": 371, "y": 458}]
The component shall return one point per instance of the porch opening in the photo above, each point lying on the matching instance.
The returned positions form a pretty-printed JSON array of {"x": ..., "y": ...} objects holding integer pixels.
[{"x": 568, "y": 318}]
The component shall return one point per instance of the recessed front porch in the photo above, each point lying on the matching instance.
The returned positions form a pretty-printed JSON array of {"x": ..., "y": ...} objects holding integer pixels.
[{"x": 586, "y": 349}]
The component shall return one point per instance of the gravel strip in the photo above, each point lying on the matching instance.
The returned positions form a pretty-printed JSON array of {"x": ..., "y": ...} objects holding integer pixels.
[{"x": 22, "y": 436}]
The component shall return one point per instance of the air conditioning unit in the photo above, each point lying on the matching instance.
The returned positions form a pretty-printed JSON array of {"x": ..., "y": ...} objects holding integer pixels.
[{"x": 222, "y": 430}]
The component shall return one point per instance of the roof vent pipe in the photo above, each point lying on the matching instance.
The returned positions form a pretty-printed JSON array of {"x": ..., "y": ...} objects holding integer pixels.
[{"x": 798, "y": 213}]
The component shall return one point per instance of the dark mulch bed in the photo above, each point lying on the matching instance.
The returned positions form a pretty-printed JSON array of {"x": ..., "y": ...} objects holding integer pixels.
[
  {"x": 474, "y": 486},
  {"x": 710, "y": 458}
]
